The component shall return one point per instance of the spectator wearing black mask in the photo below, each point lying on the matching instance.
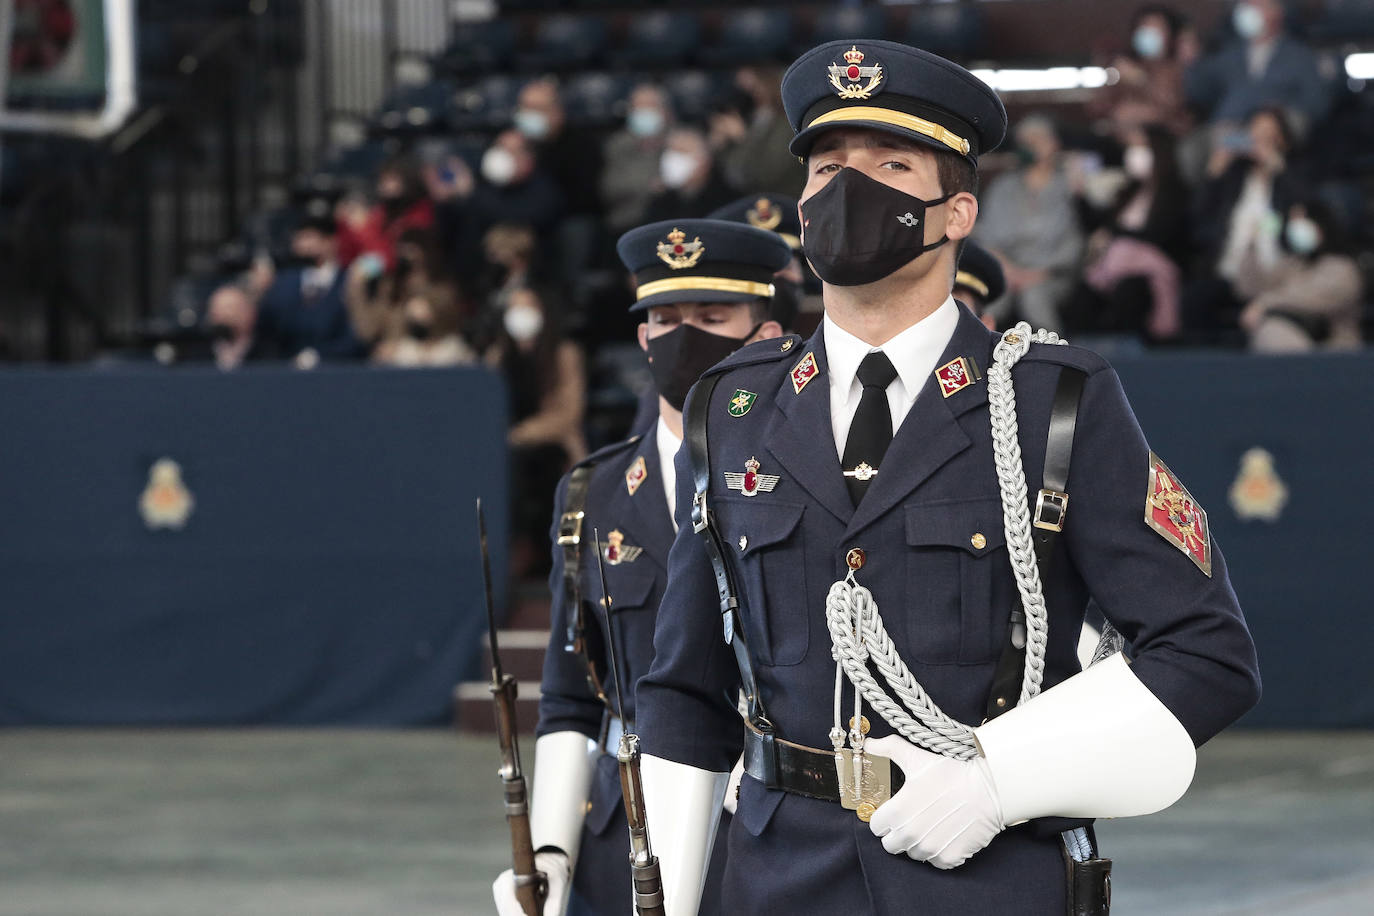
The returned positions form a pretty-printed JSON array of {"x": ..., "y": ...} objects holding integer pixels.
[
  {"x": 1313, "y": 296},
  {"x": 302, "y": 316},
  {"x": 376, "y": 305},
  {"x": 231, "y": 315}
]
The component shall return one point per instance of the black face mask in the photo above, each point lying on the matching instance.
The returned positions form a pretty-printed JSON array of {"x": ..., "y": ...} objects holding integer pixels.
[
  {"x": 857, "y": 230},
  {"x": 677, "y": 359},
  {"x": 221, "y": 332},
  {"x": 419, "y": 330}
]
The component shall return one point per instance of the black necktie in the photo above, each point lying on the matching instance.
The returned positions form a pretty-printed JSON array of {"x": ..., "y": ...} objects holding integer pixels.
[{"x": 871, "y": 432}]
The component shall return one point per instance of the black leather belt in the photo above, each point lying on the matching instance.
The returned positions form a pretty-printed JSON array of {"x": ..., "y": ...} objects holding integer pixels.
[{"x": 794, "y": 768}]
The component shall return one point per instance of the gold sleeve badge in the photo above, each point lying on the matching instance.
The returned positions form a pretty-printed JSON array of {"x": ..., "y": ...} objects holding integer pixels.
[{"x": 1171, "y": 510}]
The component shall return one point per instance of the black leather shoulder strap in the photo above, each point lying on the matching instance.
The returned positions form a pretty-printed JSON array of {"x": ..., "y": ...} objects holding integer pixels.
[
  {"x": 570, "y": 540},
  {"x": 1048, "y": 515},
  {"x": 703, "y": 523}
]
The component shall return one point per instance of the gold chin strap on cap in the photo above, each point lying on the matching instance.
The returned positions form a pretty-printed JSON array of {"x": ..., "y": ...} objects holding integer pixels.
[
  {"x": 964, "y": 278},
  {"x": 715, "y": 284},
  {"x": 896, "y": 119}
]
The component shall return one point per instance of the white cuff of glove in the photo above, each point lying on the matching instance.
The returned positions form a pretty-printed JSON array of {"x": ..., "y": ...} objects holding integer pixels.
[
  {"x": 1100, "y": 744},
  {"x": 683, "y": 806},
  {"x": 556, "y": 868},
  {"x": 945, "y": 812},
  {"x": 563, "y": 763}
]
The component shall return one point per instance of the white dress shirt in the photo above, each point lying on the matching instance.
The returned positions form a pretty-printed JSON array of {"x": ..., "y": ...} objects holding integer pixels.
[
  {"x": 668, "y": 444},
  {"x": 914, "y": 353}
]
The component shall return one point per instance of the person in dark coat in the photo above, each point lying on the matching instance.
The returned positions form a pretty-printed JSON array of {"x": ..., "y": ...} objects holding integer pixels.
[
  {"x": 855, "y": 555},
  {"x": 703, "y": 292},
  {"x": 303, "y": 315}
]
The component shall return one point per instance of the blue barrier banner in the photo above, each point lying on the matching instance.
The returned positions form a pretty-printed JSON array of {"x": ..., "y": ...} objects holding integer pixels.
[
  {"x": 1297, "y": 573},
  {"x": 268, "y": 546}
]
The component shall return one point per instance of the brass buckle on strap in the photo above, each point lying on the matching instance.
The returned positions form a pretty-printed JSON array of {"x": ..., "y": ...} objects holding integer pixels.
[
  {"x": 1051, "y": 506},
  {"x": 570, "y": 529},
  {"x": 865, "y": 781}
]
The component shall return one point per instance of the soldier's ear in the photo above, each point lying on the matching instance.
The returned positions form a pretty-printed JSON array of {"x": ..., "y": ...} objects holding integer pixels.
[
  {"x": 962, "y": 210},
  {"x": 643, "y": 333},
  {"x": 767, "y": 331}
]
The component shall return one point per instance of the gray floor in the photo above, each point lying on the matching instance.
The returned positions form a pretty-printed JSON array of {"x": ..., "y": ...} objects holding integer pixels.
[{"x": 231, "y": 823}]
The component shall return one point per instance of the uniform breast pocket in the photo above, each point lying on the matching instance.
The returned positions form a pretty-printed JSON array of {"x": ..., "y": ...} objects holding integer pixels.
[
  {"x": 767, "y": 541},
  {"x": 956, "y": 561}
]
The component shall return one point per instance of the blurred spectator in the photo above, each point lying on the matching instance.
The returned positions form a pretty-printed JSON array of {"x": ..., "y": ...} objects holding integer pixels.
[
  {"x": 751, "y": 141},
  {"x": 546, "y": 378},
  {"x": 571, "y": 156},
  {"x": 401, "y": 205},
  {"x": 509, "y": 251},
  {"x": 302, "y": 315},
  {"x": 1264, "y": 67},
  {"x": 1028, "y": 220},
  {"x": 429, "y": 338},
  {"x": 692, "y": 184},
  {"x": 512, "y": 188},
  {"x": 1132, "y": 278},
  {"x": 1313, "y": 296},
  {"x": 630, "y": 174},
  {"x": 230, "y": 318},
  {"x": 979, "y": 280},
  {"x": 1236, "y": 223},
  {"x": 1150, "y": 86},
  {"x": 376, "y": 304}
]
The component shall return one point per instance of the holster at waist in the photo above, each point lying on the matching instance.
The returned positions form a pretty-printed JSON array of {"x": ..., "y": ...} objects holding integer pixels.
[{"x": 794, "y": 768}]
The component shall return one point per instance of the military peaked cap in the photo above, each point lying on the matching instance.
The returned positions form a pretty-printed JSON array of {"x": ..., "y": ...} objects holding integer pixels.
[
  {"x": 766, "y": 211},
  {"x": 701, "y": 260}
]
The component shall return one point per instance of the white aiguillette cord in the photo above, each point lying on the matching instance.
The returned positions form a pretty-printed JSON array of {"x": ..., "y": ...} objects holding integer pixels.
[{"x": 857, "y": 634}]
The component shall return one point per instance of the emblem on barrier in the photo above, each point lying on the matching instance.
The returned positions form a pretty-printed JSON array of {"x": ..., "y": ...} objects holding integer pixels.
[
  {"x": 847, "y": 77},
  {"x": 678, "y": 253},
  {"x": 1258, "y": 492},
  {"x": 751, "y": 482},
  {"x": 1171, "y": 510},
  {"x": 165, "y": 503}
]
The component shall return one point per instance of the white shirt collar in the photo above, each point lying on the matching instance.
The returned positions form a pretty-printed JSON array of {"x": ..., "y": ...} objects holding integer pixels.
[
  {"x": 913, "y": 351},
  {"x": 668, "y": 444}
]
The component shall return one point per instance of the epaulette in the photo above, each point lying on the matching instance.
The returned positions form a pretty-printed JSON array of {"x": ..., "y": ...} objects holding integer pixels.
[
  {"x": 760, "y": 351},
  {"x": 1081, "y": 358},
  {"x": 607, "y": 451}
]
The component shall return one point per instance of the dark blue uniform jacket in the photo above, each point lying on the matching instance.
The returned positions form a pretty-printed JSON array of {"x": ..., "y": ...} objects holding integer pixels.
[
  {"x": 944, "y": 595},
  {"x": 601, "y": 884}
]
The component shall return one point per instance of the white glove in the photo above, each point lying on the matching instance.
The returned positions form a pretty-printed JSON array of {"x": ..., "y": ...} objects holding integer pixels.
[
  {"x": 947, "y": 810},
  {"x": 732, "y": 787},
  {"x": 554, "y": 864}
]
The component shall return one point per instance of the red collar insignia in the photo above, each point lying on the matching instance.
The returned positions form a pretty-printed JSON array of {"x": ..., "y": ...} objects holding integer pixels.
[
  {"x": 804, "y": 371},
  {"x": 635, "y": 474},
  {"x": 954, "y": 375}
]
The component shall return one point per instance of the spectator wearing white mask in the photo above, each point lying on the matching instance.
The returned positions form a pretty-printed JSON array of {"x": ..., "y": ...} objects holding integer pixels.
[
  {"x": 631, "y": 157},
  {"x": 512, "y": 188},
  {"x": 692, "y": 184},
  {"x": 568, "y": 154},
  {"x": 1313, "y": 296},
  {"x": 546, "y": 377},
  {"x": 1264, "y": 67},
  {"x": 1149, "y": 89}
]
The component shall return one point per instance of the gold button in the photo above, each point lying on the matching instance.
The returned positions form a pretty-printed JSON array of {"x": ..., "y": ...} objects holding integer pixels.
[
  {"x": 855, "y": 558},
  {"x": 865, "y": 811},
  {"x": 1013, "y": 339},
  {"x": 1001, "y": 702},
  {"x": 978, "y": 541},
  {"x": 588, "y": 809},
  {"x": 786, "y": 345},
  {"x": 863, "y": 724}
]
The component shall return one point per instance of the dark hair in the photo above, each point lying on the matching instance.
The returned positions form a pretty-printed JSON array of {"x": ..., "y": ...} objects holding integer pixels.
[
  {"x": 1283, "y": 119},
  {"x": 956, "y": 173},
  {"x": 1335, "y": 237}
]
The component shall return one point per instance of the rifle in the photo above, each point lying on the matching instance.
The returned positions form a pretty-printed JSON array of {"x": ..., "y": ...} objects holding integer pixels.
[
  {"x": 648, "y": 884},
  {"x": 531, "y": 885}
]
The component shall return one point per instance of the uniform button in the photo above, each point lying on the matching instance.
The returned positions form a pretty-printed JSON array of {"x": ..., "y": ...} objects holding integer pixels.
[
  {"x": 863, "y": 724},
  {"x": 978, "y": 541},
  {"x": 855, "y": 558},
  {"x": 865, "y": 811}
]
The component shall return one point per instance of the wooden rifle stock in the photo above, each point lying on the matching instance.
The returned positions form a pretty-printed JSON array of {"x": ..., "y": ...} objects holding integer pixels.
[
  {"x": 531, "y": 885},
  {"x": 648, "y": 883}
]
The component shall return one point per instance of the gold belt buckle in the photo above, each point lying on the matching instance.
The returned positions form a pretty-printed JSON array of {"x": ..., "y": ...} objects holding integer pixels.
[{"x": 873, "y": 786}]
